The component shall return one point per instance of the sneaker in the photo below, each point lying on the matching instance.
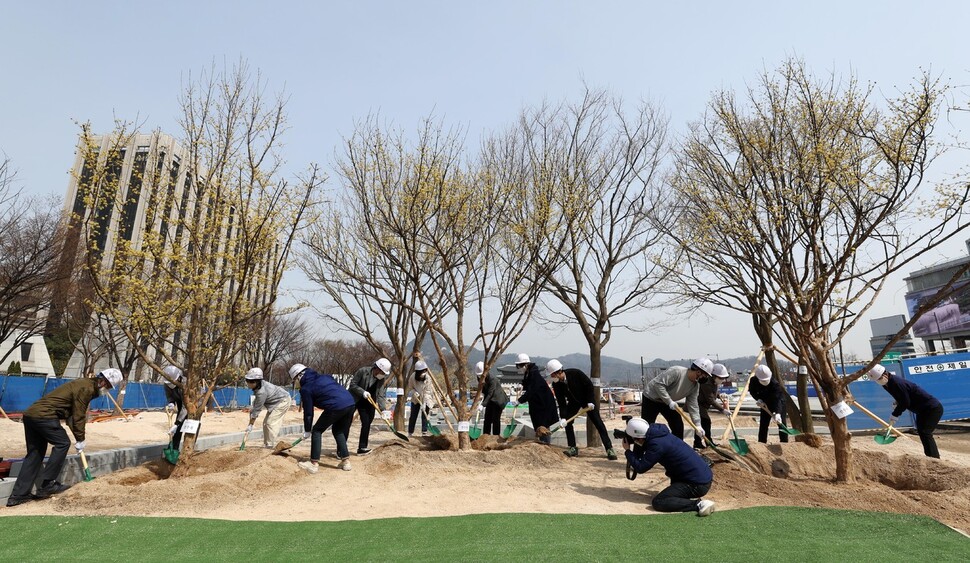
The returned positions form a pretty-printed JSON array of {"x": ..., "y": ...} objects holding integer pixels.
[
  {"x": 14, "y": 501},
  {"x": 572, "y": 452},
  {"x": 52, "y": 488},
  {"x": 364, "y": 451},
  {"x": 611, "y": 454},
  {"x": 308, "y": 466},
  {"x": 424, "y": 434},
  {"x": 344, "y": 464},
  {"x": 705, "y": 507}
]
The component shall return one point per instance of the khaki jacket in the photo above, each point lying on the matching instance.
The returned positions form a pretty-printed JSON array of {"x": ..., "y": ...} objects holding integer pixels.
[{"x": 69, "y": 403}]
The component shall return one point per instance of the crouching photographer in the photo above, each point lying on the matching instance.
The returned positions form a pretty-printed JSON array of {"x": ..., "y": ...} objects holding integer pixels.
[{"x": 690, "y": 475}]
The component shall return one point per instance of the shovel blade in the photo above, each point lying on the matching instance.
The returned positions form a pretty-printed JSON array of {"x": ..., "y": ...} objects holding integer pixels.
[
  {"x": 87, "y": 475},
  {"x": 740, "y": 447},
  {"x": 434, "y": 430},
  {"x": 475, "y": 433},
  {"x": 789, "y": 431},
  {"x": 883, "y": 440}
]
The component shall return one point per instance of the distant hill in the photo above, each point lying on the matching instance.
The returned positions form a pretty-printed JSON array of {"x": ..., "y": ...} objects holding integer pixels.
[{"x": 616, "y": 372}]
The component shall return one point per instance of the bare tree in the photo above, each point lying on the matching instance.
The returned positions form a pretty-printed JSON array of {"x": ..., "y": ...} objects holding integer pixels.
[
  {"x": 31, "y": 235},
  {"x": 801, "y": 199},
  {"x": 283, "y": 336},
  {"x": 202, "y": 281},
  {"x": 602, "y": 165}
]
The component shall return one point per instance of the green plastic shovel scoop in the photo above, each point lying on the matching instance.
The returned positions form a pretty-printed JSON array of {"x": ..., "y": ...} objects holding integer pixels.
[{"x": 883, "y": 439}]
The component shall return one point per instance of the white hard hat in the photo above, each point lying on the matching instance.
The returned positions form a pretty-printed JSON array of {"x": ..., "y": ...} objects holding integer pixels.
[
  {"x": 720, "y": 371},
  {"x": 296, "y": 370},
  {"x": 523, "y": 359},
  {"x": 420, "y": 366},
  {"x": 113, "y": 376},
  {"x": 876, "y": 372},
  {"x": 384, "y": 365},
  {"x": 553, "y": 366},
  {"x": 479, "y": 368},
  {"x": 174, "y": 375},
  {"x": 254, "y": 374},
  {"x": 705, "y": 365},
  {"x": 637, "y": 427},
  {"x": 762, "y": 373}
]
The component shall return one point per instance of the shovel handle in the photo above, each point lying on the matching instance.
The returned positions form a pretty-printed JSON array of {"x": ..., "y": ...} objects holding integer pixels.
[{"x": 879, "y": 420}]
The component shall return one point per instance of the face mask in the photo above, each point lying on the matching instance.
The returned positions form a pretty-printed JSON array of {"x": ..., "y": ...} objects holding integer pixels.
[
  {"x": 380, "y": 375},
  {"x": 102, "y": 391},
  {"x": 883, "y": 380},
  {"x": 420, "y": 375},
  {"x": 764, "y": 382},
  {"x": 521, "y": 369}
]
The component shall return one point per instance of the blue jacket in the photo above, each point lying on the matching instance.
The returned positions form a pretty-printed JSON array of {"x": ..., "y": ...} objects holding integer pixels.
[
  {"x": 322, "y": 391},
  {"x": 681, "y": 462},
  {"x": 910, "y": 396}
]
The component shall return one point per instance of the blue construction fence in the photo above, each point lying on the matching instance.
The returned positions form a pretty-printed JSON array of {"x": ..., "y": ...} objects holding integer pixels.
[
  {"x": 19, "y": 392},
  {"x": 945, "y": 376}
]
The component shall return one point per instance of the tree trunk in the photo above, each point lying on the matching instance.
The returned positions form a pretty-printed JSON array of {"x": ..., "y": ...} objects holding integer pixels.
[
  {"x": 833, "y": 393},
  {"x": 595, "y": 373}
]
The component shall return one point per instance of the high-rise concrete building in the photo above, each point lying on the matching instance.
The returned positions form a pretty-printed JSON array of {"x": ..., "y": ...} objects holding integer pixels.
[{"x": 125, "y": 190}]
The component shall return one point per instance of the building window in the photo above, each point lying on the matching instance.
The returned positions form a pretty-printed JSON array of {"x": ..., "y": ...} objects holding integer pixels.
[{"x": 25, "y": 351}]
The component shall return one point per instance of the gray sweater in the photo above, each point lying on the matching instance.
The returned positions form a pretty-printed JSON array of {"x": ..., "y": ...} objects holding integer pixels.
[
  {"x": 673, "y": 385},
  {"x": 269, "y": 396}
]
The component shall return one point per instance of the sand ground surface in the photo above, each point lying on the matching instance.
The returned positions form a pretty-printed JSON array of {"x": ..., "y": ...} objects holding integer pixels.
[{"x": 429, "y": 477}]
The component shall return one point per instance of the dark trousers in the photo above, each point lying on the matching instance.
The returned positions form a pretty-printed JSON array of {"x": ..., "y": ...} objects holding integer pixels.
[
  {"x": 679, "y": 497},
  {"x": 650, "y": 409},
  {"x": 366, "y": 412},
  {"x": 765, "y": 423},
  {"x": 340, "y": 421},
  {"x": 413, "y": 418},
  {"x": 705, "y": 426},
  {"x": 926, "y": 423},
  {"x": 592, "y": 417},
  {"x": 493, "y": 419},
  {"x": 39, "y": 432}
]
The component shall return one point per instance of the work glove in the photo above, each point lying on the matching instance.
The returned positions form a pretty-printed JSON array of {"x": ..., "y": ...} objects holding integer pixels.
[
  {"x": 590, "y": 406},
  {"x": 171, "y": 431},
  {"x": 699, "y": 432},
  {"x": 562, "y": 422},
  {"x": 672, "y": 404},
  {"x": 481, "y": 407},
  {"x": 514, "y": 403},
  {"x": 170, "y": 406},
  {"x": 367, "y": 394},
  {"x": 306, "y": 435},
  {"x": 892, "y": 420},
  {"x": 79, "y": 446},
  {"x": 249, "y": 428},
  {"x": 776, "y": 418}
]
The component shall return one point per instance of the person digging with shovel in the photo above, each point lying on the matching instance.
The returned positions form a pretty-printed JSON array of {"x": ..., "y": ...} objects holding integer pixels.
[
  {"x": 542, "y": 403},
  {"x": 690, "y": 474},
  {"x": 494, "y": 399},
  {"x": 422, "y": 397},
  {"x": 707, "y": 399},
  {"x": 770, "y": 395},
  {"x": 42, "y": 426},
  {"x": 174, "y": 392},
  {"x": 675, "y": 383},
  {"x": 322, "y": 391},
  {"x": 368, "y": 385},
  {"x": 574, "y": 390},
  {"x": 276, "y": 401},
  {"x": 912, "y": 397}
]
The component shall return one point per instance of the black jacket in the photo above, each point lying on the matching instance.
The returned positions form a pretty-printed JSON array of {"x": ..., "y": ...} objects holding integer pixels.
[
  {"x": 773, "y": 394},
  {"x": 910, "y": 396},
  {"x": 535, "y": 392},
  {"x": 574, "y": 393}
]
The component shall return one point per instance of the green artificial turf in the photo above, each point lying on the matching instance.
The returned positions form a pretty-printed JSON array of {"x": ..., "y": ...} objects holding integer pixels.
[{"x": 770, "y": 534}]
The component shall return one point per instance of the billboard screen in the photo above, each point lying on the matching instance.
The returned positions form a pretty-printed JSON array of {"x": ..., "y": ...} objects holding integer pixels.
[{"x": 951, "y": 315}]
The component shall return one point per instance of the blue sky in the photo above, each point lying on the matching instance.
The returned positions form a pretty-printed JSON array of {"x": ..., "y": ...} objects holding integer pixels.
[{"x": 472, "y": 64}]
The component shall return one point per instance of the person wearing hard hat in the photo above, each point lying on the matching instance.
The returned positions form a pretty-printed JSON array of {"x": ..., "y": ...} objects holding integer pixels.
[
  {"x": 368, "y": 384},
  {"x": 770, "y": 396},
  {"x": 276, "y": 401},
  {"x": 707, "y": 399},
  {"x": 493, "y": 400},
  {"x": 175, "y": 393},
  {"x": 42, "y": 426},
  {"x": 676, "y": 383},
  {"x": 690, "y": 474},
  {"x": 322, "y": 391},
  {"x": 912, "y": 397},
  {"x": 536, "y": 392},
  {"x": 574, "y": 390},
  {"x": 422, "y": 397}
]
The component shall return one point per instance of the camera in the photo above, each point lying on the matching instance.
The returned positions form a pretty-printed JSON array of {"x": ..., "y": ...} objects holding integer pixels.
[{"x": 622, "y": 435}]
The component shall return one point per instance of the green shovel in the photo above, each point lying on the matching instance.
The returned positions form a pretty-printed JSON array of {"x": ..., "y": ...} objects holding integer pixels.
[
  {"x": 782, "y": 427},
  {"x": 510, "y": 427},
  {"x": 475, "y": 432},
  {"x": 84, "y": 463},
  {"x": 883, "y": 439},
  {"x": 739, "y": 445}
]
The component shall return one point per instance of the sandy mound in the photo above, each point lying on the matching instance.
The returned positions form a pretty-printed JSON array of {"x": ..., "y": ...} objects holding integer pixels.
[{"x": 429, "y": 477}]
